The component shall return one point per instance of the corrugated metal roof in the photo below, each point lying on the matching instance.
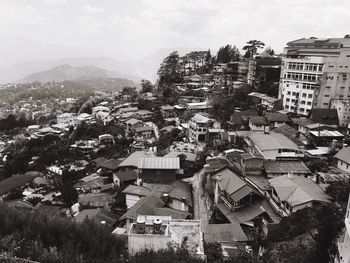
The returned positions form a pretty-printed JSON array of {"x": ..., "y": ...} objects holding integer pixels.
[
  {"x": 168, "y": 163},
  {"x": 285, "y": 167},
  {"x": 272, "y": 141}
]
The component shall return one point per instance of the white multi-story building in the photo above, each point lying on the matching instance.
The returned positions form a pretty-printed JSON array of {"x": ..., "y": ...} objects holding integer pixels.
[
  {"x": 198, "y": 127},
  {"x": 315, "y": 72},
  {"x": 299, "y": 78}
]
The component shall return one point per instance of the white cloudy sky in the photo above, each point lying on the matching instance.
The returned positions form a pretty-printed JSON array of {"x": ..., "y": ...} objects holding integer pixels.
[{"x": 44, "y": 29}]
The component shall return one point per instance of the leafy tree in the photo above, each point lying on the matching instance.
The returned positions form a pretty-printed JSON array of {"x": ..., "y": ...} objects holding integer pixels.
[
  {"x": 69, "y": 194},
  {"x": 146, "y": 86},
  {"x": 327, "y": 219},
  {"x": 339, "y": 191},
  {"x": 252, "y": 48},
  {"x": 227, "y": 54},
  {"x": 331, "y": 223},
  {"x": 170, "y": 96},
  {"x": 213, "y": 252},
  {"x": 131, "y": 91},
  {"x": 38, "y": 237},
  {"x": 170, "y": 70},
  {"x": 209, "y": 62},
  {"x": 270, "y": 51},
  {"x": 317, "y": 165}
]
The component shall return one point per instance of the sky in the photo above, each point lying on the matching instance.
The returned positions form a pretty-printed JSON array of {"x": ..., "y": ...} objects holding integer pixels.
[{"x": 130, "y": 29}]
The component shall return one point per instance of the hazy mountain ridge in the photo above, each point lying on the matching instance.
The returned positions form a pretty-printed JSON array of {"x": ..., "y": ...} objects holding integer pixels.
[
  {"x": 67, "y": 72},
  {"x": 143, "y": 68}
]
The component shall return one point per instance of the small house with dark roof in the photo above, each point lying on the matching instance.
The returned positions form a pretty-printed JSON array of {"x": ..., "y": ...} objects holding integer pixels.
[
  {"x": 278, "y": 168},
  {"x": 276, "y": 119},
  {"x": 131, "y": 125},
  {"x": 292, "y": 193},
  {"x": 325, "y": 116},
  {"x": 343, "y": 159},
  {"x": 96, "y": 200},
  {"x": 258, "y": 123},
  {"x": 125, "y": 178},
  {"x": 239, "y": 119},
  {"x": 158, "y": 169},
  {"x": 301, "y": 124},
  {"x": 238, "y": 200},
  {"x": 247, "y": 163},
  {"x": 178, "y": 195}
]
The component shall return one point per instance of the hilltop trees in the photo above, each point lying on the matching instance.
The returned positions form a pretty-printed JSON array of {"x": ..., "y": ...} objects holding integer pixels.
[
  {"x": 252, "y": 48},
  {"x": 174, "y": 67},
  {"x": 227, "y": 54},
  {"x": 270, "y": 51},
  {"x": 170, "y": 70},
  {"x": 197, "y": 61}
]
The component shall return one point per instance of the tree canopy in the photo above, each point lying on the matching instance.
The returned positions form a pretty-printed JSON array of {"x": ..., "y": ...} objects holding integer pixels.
[
  {"x": 170, "y": 70},
  {"x": 252, "y": 48},
  {"x": 227, "y": 54},
  {"x": 38, "y": 237},
  {"x": 146, "y": 86}
]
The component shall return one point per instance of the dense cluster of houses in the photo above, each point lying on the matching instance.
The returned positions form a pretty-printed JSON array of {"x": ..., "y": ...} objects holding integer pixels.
[{"x": 256, "y": 171}]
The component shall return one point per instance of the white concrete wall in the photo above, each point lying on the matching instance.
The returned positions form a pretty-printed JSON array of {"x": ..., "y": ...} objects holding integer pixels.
[
  {"x": 343, "y": 166},
  {"x": 138, "y": 243}
]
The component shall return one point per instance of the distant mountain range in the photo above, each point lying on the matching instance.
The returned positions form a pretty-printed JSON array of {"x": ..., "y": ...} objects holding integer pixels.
[
  {"x": 144, "y": 68},
  {"x": 67, "y": 72}
]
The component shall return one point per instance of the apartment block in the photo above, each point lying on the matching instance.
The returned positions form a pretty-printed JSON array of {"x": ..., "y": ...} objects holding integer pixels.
[{"x": 316, "y": 74}]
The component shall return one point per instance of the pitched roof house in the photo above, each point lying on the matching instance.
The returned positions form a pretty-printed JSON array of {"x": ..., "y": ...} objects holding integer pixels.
[
  {"x": 292, "y": 193},
  {"x": 158, "y": 169},
  {"x": 343, "y": 159}
]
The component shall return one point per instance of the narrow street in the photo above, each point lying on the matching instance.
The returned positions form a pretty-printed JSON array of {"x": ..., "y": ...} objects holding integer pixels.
[{"x": 199, "y": 206}]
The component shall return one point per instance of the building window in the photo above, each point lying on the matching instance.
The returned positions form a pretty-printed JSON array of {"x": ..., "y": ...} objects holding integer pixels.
[
  {"x": 288, "y": 92},
  {"x": 309, "y": 103},
  {"x": 287, "y": 100},
  {"x": 309, "y": 96},
  {"x": 326, "y": 95},
  {"x": 328, "y": 87},
  {"x": 304, "y": 95}
]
